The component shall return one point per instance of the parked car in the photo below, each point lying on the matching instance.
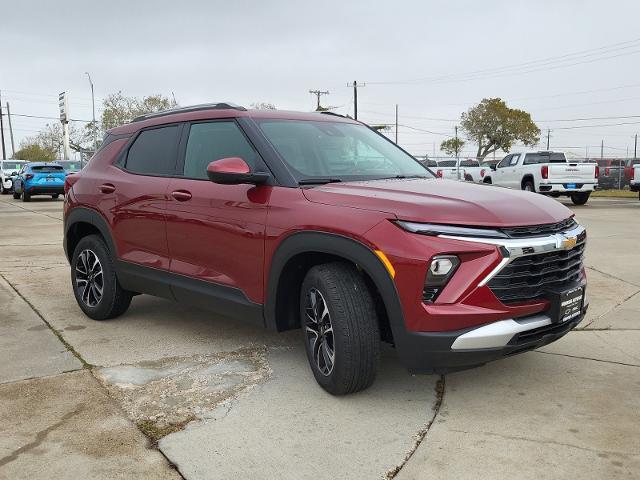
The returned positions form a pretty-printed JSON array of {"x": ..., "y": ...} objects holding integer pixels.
[
  {"x": 70, "y": 166},
  {"x": 39, "y": 178},
  {"x": 8, "y": 170},
  {"x": 629, "y": 169},
  {"x": 315, "y": 221},
  {"x": 634, "y": 179},
  {"x": 612, "y": 174},
  {"x": 462, "y": 169},
  {"x": 548, "y": 173}
]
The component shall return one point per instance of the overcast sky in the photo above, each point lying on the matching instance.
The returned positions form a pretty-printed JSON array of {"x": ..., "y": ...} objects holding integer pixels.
[{"x": 419, "y": 54}]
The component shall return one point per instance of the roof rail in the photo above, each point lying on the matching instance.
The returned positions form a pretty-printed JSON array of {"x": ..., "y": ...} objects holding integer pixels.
[
  {"x": 192, "y": 108},
  {"x": 327, "y": 112}
]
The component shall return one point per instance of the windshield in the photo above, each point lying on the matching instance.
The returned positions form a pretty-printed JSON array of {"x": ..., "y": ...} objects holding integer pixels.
[
  {"x": 338, "y": 151},
  {"x": 11, "y": 165}
]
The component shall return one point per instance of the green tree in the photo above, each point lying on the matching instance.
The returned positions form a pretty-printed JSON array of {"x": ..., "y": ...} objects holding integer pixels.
[
  {"x": 494, "y": 126},
  {"x": 32, "y": 152},
  {"x": 452, "y": 146},
  {"x": 118, "y": 109}
]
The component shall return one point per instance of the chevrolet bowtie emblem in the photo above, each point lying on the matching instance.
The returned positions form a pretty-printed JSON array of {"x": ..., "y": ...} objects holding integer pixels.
[{"x": 568, "y": 243}]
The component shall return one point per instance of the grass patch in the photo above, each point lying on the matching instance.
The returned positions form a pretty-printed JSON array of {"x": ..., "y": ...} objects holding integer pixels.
[{"x": 615, "y": 193}]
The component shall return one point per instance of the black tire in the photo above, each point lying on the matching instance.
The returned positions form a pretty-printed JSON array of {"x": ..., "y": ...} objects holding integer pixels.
[
  {"x": 16, "y": 196},
  {"x": 55, "y": 196},
  {"x": 26, "y": 197},
  {"x": 487, "y": 181},
  {"x": 528, "y": 186},
  {"x": 114, "y": 300},
  {"x": 580, "y": 198},
  {"x": 355, "y": 333}
]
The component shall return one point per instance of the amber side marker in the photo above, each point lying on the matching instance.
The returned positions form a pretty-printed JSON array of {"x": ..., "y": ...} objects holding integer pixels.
[{"x": 387, "y": 263}]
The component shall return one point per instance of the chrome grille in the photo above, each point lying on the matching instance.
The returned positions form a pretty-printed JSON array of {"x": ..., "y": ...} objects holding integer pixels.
[{"x": 530, "y": 277}]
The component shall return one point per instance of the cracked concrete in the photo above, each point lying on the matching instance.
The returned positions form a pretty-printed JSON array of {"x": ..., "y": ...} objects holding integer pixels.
[{"x": 232, "y": 400}]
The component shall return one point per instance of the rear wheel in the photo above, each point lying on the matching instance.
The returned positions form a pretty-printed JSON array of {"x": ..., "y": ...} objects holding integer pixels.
[
  {"x": 580, "y": 198},
  {"x": 55, "y": 196},
  {"x": 26, "y": 197},
  {"x": 94, "y": 281},
  {"x": 340, "y": 328},
  {"x": 16, "y": 195},
  {"x": 527, "y": 186}
]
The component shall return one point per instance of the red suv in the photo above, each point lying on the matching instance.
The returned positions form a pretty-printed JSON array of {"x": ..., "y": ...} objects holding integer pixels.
[{"x": 315, "y": 221}]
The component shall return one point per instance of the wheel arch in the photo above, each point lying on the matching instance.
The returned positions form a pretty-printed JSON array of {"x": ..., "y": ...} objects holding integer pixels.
[
  {"x": 299, "y": 252},
  {"x": 82, "y": 222},
  {"x": 528, "y": 178}
]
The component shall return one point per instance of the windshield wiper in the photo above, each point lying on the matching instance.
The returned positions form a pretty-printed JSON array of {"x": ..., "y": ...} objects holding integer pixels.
[
  {"x": 406, "y": 176},
  {"x": 318, "y": 181}
]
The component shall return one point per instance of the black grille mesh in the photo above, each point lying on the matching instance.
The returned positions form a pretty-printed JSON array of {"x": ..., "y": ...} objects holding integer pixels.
[
  {"x": 530, "y": 277},
  {"x": 540, "y": 230}
]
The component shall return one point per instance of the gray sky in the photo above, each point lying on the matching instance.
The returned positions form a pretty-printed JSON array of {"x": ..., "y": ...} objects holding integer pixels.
[{"x": 275, "y": 51}]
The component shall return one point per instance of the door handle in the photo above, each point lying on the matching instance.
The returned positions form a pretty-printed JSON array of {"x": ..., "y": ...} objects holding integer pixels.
[
  {"x": 107, "y": 188},
  {"x": 181, "y": 195}
]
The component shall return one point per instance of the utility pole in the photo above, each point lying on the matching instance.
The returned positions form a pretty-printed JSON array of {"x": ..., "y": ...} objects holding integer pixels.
[
  {"x": 95, "y": 126},
  {"x": 548, "y": 137},
  {"x": 318, "y": 94},
  {"x": 396, "y": 123},
  {"x": 635, "y": 147},
  {"x": 602, "y": 149},
  {"x": 4, "y": 152},
  {"x": 457, "y": 155},
  {"x": 13, "y": 146},
  {"x": 355, "y": 97}
]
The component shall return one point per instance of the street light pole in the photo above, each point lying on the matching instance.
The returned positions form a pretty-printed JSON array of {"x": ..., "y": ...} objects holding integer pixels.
[{"x": 93, "y": 107}]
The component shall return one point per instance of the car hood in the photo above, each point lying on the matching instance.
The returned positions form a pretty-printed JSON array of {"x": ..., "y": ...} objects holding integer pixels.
[{"x": 443, "y": 201}]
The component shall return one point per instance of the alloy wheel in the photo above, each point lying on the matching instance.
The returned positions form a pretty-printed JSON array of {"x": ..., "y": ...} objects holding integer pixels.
[
  {"x": 89, "y": 278},
  {"x": 319, "y": 332}
]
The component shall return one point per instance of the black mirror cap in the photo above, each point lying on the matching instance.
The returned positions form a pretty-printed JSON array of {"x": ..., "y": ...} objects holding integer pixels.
[{"x": 228, "y": 178}]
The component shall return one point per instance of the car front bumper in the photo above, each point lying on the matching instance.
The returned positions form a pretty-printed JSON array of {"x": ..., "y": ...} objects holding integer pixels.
[{"x": 443, "y": 352}]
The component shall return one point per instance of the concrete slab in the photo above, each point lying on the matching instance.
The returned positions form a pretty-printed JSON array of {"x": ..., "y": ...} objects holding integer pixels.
[
  {"x": 29, "y": 348},
  {"x": 624, "y": 316},
  {"x": 289, "y": 428},
  {"x": 535, "y": 416},
  {"x": 619, "y": 346},
  {"x": 606, "y": 296},
  {"x": 66, "y": 427}
]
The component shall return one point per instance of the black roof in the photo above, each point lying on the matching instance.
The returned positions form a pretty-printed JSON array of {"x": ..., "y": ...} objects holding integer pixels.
[{"x": 192, "y": 108}]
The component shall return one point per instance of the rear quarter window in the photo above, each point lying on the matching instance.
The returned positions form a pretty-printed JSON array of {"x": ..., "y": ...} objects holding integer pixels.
[{"x": 154, "y": 151}]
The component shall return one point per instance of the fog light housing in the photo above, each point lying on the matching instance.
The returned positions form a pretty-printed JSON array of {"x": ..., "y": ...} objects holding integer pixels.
[{"x": 441, "y": 269}]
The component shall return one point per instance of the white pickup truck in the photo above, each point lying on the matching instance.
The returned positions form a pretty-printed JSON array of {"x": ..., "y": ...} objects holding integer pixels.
[
  {"x": 469, "y": 170},
  {"x": 634, "y": 181},
  {"x": 548, "y": 173}
]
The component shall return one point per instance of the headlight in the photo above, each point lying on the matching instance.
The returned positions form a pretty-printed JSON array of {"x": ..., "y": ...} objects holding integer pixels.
[
  {"x": 435, "y": 229},
  {"x": 441, "y": 269}
]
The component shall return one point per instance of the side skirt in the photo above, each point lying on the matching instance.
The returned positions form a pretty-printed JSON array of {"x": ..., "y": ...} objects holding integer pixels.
[{"x": 227, "y": 301}]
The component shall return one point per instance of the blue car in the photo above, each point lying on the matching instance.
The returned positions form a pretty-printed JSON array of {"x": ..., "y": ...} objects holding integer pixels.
[{"x": 39, "y": 178}]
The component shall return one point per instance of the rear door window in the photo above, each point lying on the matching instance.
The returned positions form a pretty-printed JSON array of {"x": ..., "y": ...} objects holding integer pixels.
[
  {"x": 154, "y": 151},
  {"x": 213, "y": 141}
]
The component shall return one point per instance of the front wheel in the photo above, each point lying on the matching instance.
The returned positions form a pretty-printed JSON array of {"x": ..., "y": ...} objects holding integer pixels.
[
  {"x": 340, "y": 327},
  {"x": 94, "y": 281},
  {"x": 16, "y": 195},
  {"x": 26, "y": 197},
  {"x": 580, "y": 198},
  {"x": 55, "y": 196}
]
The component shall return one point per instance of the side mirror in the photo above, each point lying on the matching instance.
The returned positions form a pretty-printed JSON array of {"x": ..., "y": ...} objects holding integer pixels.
[
  {"x": 234, "y": 171},
  {"x": 493, "y": 167}
]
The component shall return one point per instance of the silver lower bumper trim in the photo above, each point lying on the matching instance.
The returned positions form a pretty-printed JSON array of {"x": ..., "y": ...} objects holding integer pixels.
[{"x": 498, "y": 334}]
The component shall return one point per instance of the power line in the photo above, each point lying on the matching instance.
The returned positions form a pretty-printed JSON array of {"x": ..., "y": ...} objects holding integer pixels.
[
  {"x": 530, "y": 66},
  {"x": 48, "y": 118},
  {"x": 319, "y": 93}
]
